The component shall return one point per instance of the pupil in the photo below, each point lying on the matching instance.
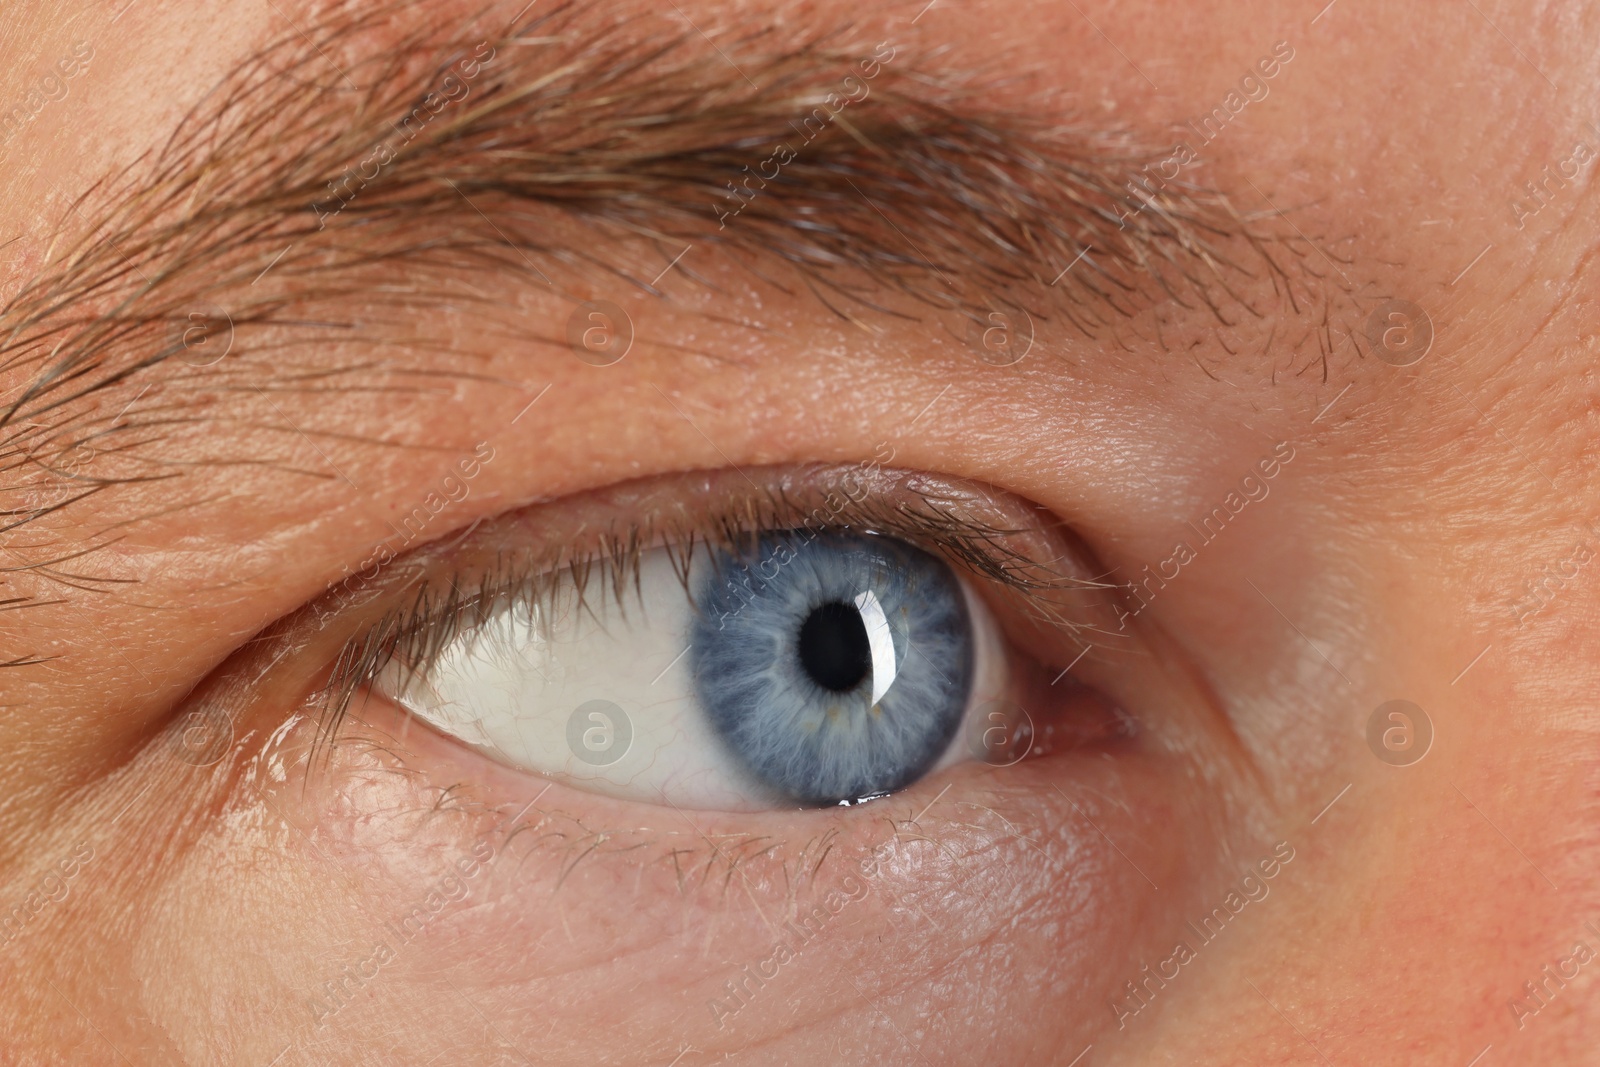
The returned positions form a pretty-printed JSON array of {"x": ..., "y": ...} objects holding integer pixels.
[{"x": 833, "y": 647}]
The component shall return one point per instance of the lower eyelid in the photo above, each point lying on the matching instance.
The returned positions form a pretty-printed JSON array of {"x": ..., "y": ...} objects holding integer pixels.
[
  {"x": 399, "y": 801},
  {"x": 393, "y": 781}
]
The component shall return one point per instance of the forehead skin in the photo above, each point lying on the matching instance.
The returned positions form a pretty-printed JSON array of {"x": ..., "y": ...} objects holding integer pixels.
[{"x": 1399, "y": 141}]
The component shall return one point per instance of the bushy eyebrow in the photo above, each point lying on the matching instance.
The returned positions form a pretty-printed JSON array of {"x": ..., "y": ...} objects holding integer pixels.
[{"x": 870, "y": 177}]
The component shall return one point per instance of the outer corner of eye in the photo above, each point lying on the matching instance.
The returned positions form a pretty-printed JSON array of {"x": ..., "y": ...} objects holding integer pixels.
[{"x": 797, "y": 667}]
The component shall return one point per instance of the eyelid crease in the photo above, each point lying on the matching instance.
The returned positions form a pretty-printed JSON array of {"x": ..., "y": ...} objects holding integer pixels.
[{"x": 603, "y": 566}]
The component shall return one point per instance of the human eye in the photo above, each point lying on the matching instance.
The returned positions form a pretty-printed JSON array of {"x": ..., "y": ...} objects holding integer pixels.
[{"x": 740, "y": 641}]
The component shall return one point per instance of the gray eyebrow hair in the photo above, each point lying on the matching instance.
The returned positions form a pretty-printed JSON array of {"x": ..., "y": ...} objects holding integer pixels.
[{"x": 456, "y": 157}]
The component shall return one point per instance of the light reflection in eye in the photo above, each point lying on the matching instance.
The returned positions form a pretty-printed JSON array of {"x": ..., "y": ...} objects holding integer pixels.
[
  {"x": 802, "y": 669},
  {"x": 879, "y": 642}
]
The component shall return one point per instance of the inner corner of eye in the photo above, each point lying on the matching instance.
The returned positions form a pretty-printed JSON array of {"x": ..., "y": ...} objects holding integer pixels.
[{"x": 796, "y": 668}]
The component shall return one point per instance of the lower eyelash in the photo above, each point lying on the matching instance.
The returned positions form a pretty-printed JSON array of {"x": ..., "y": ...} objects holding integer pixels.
[{"x": 415, "y": 634}]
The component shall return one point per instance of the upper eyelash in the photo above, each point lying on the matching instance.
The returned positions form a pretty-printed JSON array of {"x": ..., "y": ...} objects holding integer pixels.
[{"x": 417, "y": 633}]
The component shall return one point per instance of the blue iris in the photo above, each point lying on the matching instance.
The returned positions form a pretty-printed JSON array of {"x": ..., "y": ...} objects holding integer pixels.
[{"x": 833, "y": 666}]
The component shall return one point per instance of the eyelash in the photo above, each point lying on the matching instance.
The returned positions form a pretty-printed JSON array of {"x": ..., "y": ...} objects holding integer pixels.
[{"x": 414, "y": 635}]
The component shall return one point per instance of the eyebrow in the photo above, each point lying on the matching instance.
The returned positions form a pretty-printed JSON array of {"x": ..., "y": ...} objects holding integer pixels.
[{"x": 880, "y": 186}]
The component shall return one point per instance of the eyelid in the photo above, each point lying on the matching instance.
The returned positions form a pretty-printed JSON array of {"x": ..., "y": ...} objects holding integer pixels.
[{"x": 1021, "y": 557}]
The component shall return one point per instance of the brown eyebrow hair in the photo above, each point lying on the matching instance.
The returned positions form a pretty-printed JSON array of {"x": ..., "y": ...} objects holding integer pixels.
[{"x": 348, "y": 149}]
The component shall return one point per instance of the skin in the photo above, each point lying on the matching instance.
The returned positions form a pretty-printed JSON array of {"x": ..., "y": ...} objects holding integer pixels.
[{"x": 1007, "y": 907}]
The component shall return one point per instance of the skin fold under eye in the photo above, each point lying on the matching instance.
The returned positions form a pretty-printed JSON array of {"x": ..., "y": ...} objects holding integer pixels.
[{"x": 745, "y": 651}]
